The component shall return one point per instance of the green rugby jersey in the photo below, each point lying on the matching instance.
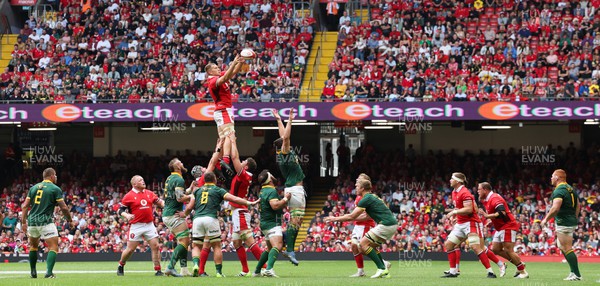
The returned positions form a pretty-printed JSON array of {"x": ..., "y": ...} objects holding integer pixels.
[
  {"x": 269, "y": 218},
  {"x": 566, "y": 215},
  {"x": 44, "y": 198},
  {"x": 290, "y": 168},
  {"x": 174, "y": 182},
  {"x": 208, "y": 200},
  {"x": 377, "y": 210}
]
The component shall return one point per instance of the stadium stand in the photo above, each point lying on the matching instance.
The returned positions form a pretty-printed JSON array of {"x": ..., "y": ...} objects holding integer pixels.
[
  {"x": 138, "y": 52},
  {"x": 467, "y": 51}
]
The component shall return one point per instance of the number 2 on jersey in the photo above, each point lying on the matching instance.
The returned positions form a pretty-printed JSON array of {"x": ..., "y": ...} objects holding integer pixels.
[
  {"x": 204, "y": 198},
  {"x": 38, "y": 197}
]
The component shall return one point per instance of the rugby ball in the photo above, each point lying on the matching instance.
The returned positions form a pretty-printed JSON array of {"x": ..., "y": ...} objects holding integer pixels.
[{"x": 248, "y": 53}]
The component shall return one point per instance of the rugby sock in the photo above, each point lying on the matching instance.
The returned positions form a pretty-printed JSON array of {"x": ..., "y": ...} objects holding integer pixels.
[
  {"x": 452, "y": 258},
  {"x": 272, "y": 258},
  {"x": 484, "y": 260},
  {"x": 51, "y": 259},
  {"x": 372, "y": 253},
  {"x": 196, "y": 260},
  {"x": 360, "y": 262},
  {"x": 292, "y": 233},
  {"x": 521, "y": 266},
  {"x": 263, "y": 259},
  {"x": 572, "y": 260},
  {"x": 255, "y": 249},
  {"x": 183, "y": 258},
  {"x": 492, "y": 257},
  {"x": 203, "y": 257},
  {"x": 157, "y": 267},
  {"x": 219, "y": 268},
  {"x": 379, "y": 255},
  {"x": 457, "y": 258},
  {"x": 122, "y": 263},
  {"x": 33, "y": 259},
  {"x": 241, "y": 252},
  {"x": 175, "y": 256}
]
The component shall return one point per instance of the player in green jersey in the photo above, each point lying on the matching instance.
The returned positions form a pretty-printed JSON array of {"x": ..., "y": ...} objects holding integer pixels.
[
  {"x": 206, "y": 203},
  {"x": 565, "y": 208},
  {"x": 387, "y": 225},
  {"x": 290, "y": 168},
  {"x": 174, "y": 198},
  {"x": 38, "y": 223},
  {"x": 271, "y": 212}
]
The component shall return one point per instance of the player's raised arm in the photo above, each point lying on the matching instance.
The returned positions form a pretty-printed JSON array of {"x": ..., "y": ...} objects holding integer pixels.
[
  {"x": 216, "y": 155},
  {"x": 231, "y": 70},
  {"x": 235, "y": 154},
  {"x": 280, "y": 126}
]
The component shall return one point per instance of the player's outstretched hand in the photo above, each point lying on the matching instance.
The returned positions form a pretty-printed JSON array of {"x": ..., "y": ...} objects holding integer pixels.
[
  {"x": 181, "y": 214},
  {"x": 288, "y": 196},
  {"x": 291, "y": 114},
  {"x": 254, "y": 202},
  {"x": 24, "y": 227},
  {"x": 275, "y": 114},
  {"x": 232, "y": 136},
  {"x": 329, "y": 219}
]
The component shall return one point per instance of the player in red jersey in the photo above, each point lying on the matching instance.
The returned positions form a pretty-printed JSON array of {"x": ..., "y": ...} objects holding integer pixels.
[
  {"x": 200, "y": 255},
  {"x": 218, "y": 87},
  {"x": 468, "y": 226},
  {"x": 242, "y": 231},
  {"x": 361, "y": 227},
  {"x": 137, "y": 208},
  {"x": 497, "y": 210}
]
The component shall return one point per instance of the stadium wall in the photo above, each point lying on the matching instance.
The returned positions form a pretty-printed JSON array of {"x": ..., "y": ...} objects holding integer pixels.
[
  {"x": 199, "y": 138},
  {"x": 437, "y": 138}
]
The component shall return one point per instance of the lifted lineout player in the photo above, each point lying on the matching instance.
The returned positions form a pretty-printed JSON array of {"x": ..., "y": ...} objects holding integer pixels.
[
  {"x": 200, "y": 252},
  {"x": 468, "y": 226},
  {"x": 566, "y": 209},
  {"x": 174, "y": 199},
  {"x": 206, "y": 204},
  {"x": 242, "y": 230},
  {"x": 43, "y": 198},
  {"x": 136, "y": 207},
  {"x": 361, "y": 227},
  {"x": 290, "y": 168},
  {"x": 497, "y": 210},
  {"x": 218, "y": 86},
  {"x": 387, "y": 225}
]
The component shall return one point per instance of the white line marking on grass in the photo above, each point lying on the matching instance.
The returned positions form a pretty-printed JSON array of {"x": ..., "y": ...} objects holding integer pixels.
[{"x": 75, "y": 272}]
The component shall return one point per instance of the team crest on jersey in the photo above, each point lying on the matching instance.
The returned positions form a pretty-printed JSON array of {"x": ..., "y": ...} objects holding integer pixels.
[{"x": 131, "y": 235}]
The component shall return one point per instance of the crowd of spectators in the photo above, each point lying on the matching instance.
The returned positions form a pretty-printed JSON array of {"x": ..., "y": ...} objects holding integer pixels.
[
  {"x": 416, "y": 189},
  {"x": 483, "y": 50},
  {"x": 93, "y": 188},
  {"x": 156, "y": 51}
]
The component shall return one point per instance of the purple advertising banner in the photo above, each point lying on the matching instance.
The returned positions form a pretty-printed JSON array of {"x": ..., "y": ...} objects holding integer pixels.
[{"x": 395, "y": 111}]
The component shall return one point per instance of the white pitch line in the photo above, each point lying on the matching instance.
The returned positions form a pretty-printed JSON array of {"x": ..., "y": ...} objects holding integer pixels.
[{"x": 76, "y": 272}]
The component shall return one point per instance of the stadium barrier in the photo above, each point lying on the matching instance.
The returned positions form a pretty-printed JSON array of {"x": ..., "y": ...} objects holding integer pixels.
[
  {"x": 232, "y": 256},
  {"x": 434, "y": 111}
]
